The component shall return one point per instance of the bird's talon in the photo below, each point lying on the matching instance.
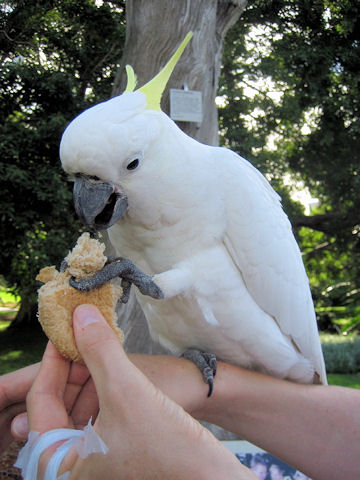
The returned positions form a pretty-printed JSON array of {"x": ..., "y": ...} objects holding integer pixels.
[
  {"x": 126, "y": 287},
  {"x": 206, "y": 363},
  {"x": 213, "y": 366},
  {"x": 210, "y": 382},
  {"x": 208, "y": 376}
]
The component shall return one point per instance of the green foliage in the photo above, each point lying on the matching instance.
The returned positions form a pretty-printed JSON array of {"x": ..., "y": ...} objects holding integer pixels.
[
  {"x": 290, "y": 84},
  {"x": 341, "y": 353},
  {"x": 333, "y": 277},
  {"x": 56, "y": 58}
]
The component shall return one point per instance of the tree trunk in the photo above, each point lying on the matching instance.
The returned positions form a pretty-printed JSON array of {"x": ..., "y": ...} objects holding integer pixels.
[
  {"x": 154, "y": 30},
  {"x": 26, "y": 315}
]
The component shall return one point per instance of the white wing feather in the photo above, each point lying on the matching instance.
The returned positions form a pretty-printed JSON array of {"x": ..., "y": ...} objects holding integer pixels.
[{"x": 261, "y": 243}]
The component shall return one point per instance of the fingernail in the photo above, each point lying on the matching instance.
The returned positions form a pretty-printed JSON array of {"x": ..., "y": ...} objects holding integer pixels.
[
  {"x": 87, "y": 314},
  {"x": 20, "y": 426}
]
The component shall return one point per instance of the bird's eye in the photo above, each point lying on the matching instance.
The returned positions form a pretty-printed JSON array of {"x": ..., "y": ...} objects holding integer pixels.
[{"x": 134, "y": 164}]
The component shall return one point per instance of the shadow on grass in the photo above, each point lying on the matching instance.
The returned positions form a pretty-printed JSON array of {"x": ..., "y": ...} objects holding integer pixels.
[{"x": 20, "y": 347}]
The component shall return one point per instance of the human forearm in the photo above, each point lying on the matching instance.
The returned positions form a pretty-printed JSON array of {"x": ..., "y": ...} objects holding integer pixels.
[{"x": 314, "y": 428}]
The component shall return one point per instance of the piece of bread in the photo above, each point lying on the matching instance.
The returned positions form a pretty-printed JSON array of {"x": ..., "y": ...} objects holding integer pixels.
[{"x": 57, "y": 300}]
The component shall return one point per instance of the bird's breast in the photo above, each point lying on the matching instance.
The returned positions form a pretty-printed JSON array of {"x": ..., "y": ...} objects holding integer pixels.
[{"x": 159, "y": 249}]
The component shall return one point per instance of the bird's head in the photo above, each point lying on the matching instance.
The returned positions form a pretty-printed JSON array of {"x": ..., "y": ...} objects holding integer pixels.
[{"x": 108, "y": 148}]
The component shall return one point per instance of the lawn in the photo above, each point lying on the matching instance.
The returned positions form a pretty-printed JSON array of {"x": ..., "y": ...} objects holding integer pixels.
[
  {"x": 8, "y": 306},
  {"x": 18, "y": 349},
  {"x": 7, "y": 298},
  {"x": 351, "y": 381}
]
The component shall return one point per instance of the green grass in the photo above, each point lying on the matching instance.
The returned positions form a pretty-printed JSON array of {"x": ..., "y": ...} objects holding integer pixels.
[
  {"x": 343, "y": 380},
  {"x": 8, "y": 307},
  {"x": 341, "y": 353},
  {"x": 4, "y": 324},
  {"x": 20, "y": 356},
  {"x": 19, "y": 348},
  {"x": 5, "y": 318},
  {"x": 7, "y": 298}
]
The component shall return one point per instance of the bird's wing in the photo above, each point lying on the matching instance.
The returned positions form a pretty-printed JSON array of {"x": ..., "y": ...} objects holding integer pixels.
[{"x": 260, "y": 241}]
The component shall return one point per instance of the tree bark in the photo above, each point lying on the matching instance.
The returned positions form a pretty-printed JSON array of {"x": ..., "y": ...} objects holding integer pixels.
[
  {"x": 156, "y": 28},
  {"x": 26, "y": 315},
  {"x": 154, "y": 31}
]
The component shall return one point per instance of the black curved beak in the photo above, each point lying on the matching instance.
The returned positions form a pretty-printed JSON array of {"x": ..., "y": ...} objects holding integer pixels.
[{"x": 98, "y": 204}]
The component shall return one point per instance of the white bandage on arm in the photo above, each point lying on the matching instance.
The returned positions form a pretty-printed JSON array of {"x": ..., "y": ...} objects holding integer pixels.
[{"x": 85, "y": 441}]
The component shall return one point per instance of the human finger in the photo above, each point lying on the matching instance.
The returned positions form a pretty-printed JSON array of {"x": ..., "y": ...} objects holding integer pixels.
[
  {"x": 14, "y": 386},
  {"x": 45, "y": 404},
  {"x": 20, "y": 425},
  {"x": 77, "y": 379},
  {"x": 6, "y": 418},
  {"x": 99, "y": 347},
  {"x": 86, "y": 405}
]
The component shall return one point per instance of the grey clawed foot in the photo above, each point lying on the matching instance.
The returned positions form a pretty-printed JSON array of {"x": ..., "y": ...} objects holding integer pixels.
[
  {"x": 126, "y": 288},
  {"x": 206, "y": 363},
  {"x": 128, "y": 272},
  {"x": 64, "y": 265}
]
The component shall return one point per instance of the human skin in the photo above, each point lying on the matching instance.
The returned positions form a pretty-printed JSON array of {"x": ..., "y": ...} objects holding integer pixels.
[
  {"x": 314, "y": 428},
  {"x": 148, "y": 435}
]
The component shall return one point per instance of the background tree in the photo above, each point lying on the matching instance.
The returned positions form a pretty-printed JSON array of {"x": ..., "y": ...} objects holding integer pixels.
[
  {"x": 198, "y": 68},
  {"x": 302, "y": 65},
  {"x": 290, "y": 86},
  {"x": 56, "y": 58},
  {"x": 298, "y": 59},
  {"x": 154, "y": 30}
]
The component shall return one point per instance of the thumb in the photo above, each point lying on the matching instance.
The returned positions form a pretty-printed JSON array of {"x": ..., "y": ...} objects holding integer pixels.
[{"x": 98, "y": 345}]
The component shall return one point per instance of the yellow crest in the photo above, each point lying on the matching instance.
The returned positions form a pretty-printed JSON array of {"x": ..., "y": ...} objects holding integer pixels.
[
  {"x": 155, "y": 87},
  {"x": 131, "y": 79}
]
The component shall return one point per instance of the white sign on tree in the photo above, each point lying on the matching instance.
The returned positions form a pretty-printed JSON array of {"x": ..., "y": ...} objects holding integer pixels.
[{"x": 186, "y": 105}]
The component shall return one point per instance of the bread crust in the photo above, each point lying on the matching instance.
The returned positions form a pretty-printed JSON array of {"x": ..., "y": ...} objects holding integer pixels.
[{"x": 57, "y": 300}]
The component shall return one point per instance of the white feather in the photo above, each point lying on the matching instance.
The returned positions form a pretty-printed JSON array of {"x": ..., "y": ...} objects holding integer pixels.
[{"x": 212, "y": 230}]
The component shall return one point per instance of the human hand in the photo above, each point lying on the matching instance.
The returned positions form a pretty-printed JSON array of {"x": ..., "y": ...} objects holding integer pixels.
[
  {"x": 13, "y": 390},
  {"x": 80, "y": 399},
  {"x": 148, "y": 435},
  {"x": 176, "y": 377}
]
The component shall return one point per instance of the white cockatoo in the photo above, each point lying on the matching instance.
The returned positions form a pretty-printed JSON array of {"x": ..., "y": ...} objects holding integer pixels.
[{"x": 226, "y": 274}]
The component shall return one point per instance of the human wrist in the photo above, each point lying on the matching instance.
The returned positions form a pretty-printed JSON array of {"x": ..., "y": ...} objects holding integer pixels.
[
  {"x": 177, "y": 378},
  {"x": 226, "y": 391}
]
